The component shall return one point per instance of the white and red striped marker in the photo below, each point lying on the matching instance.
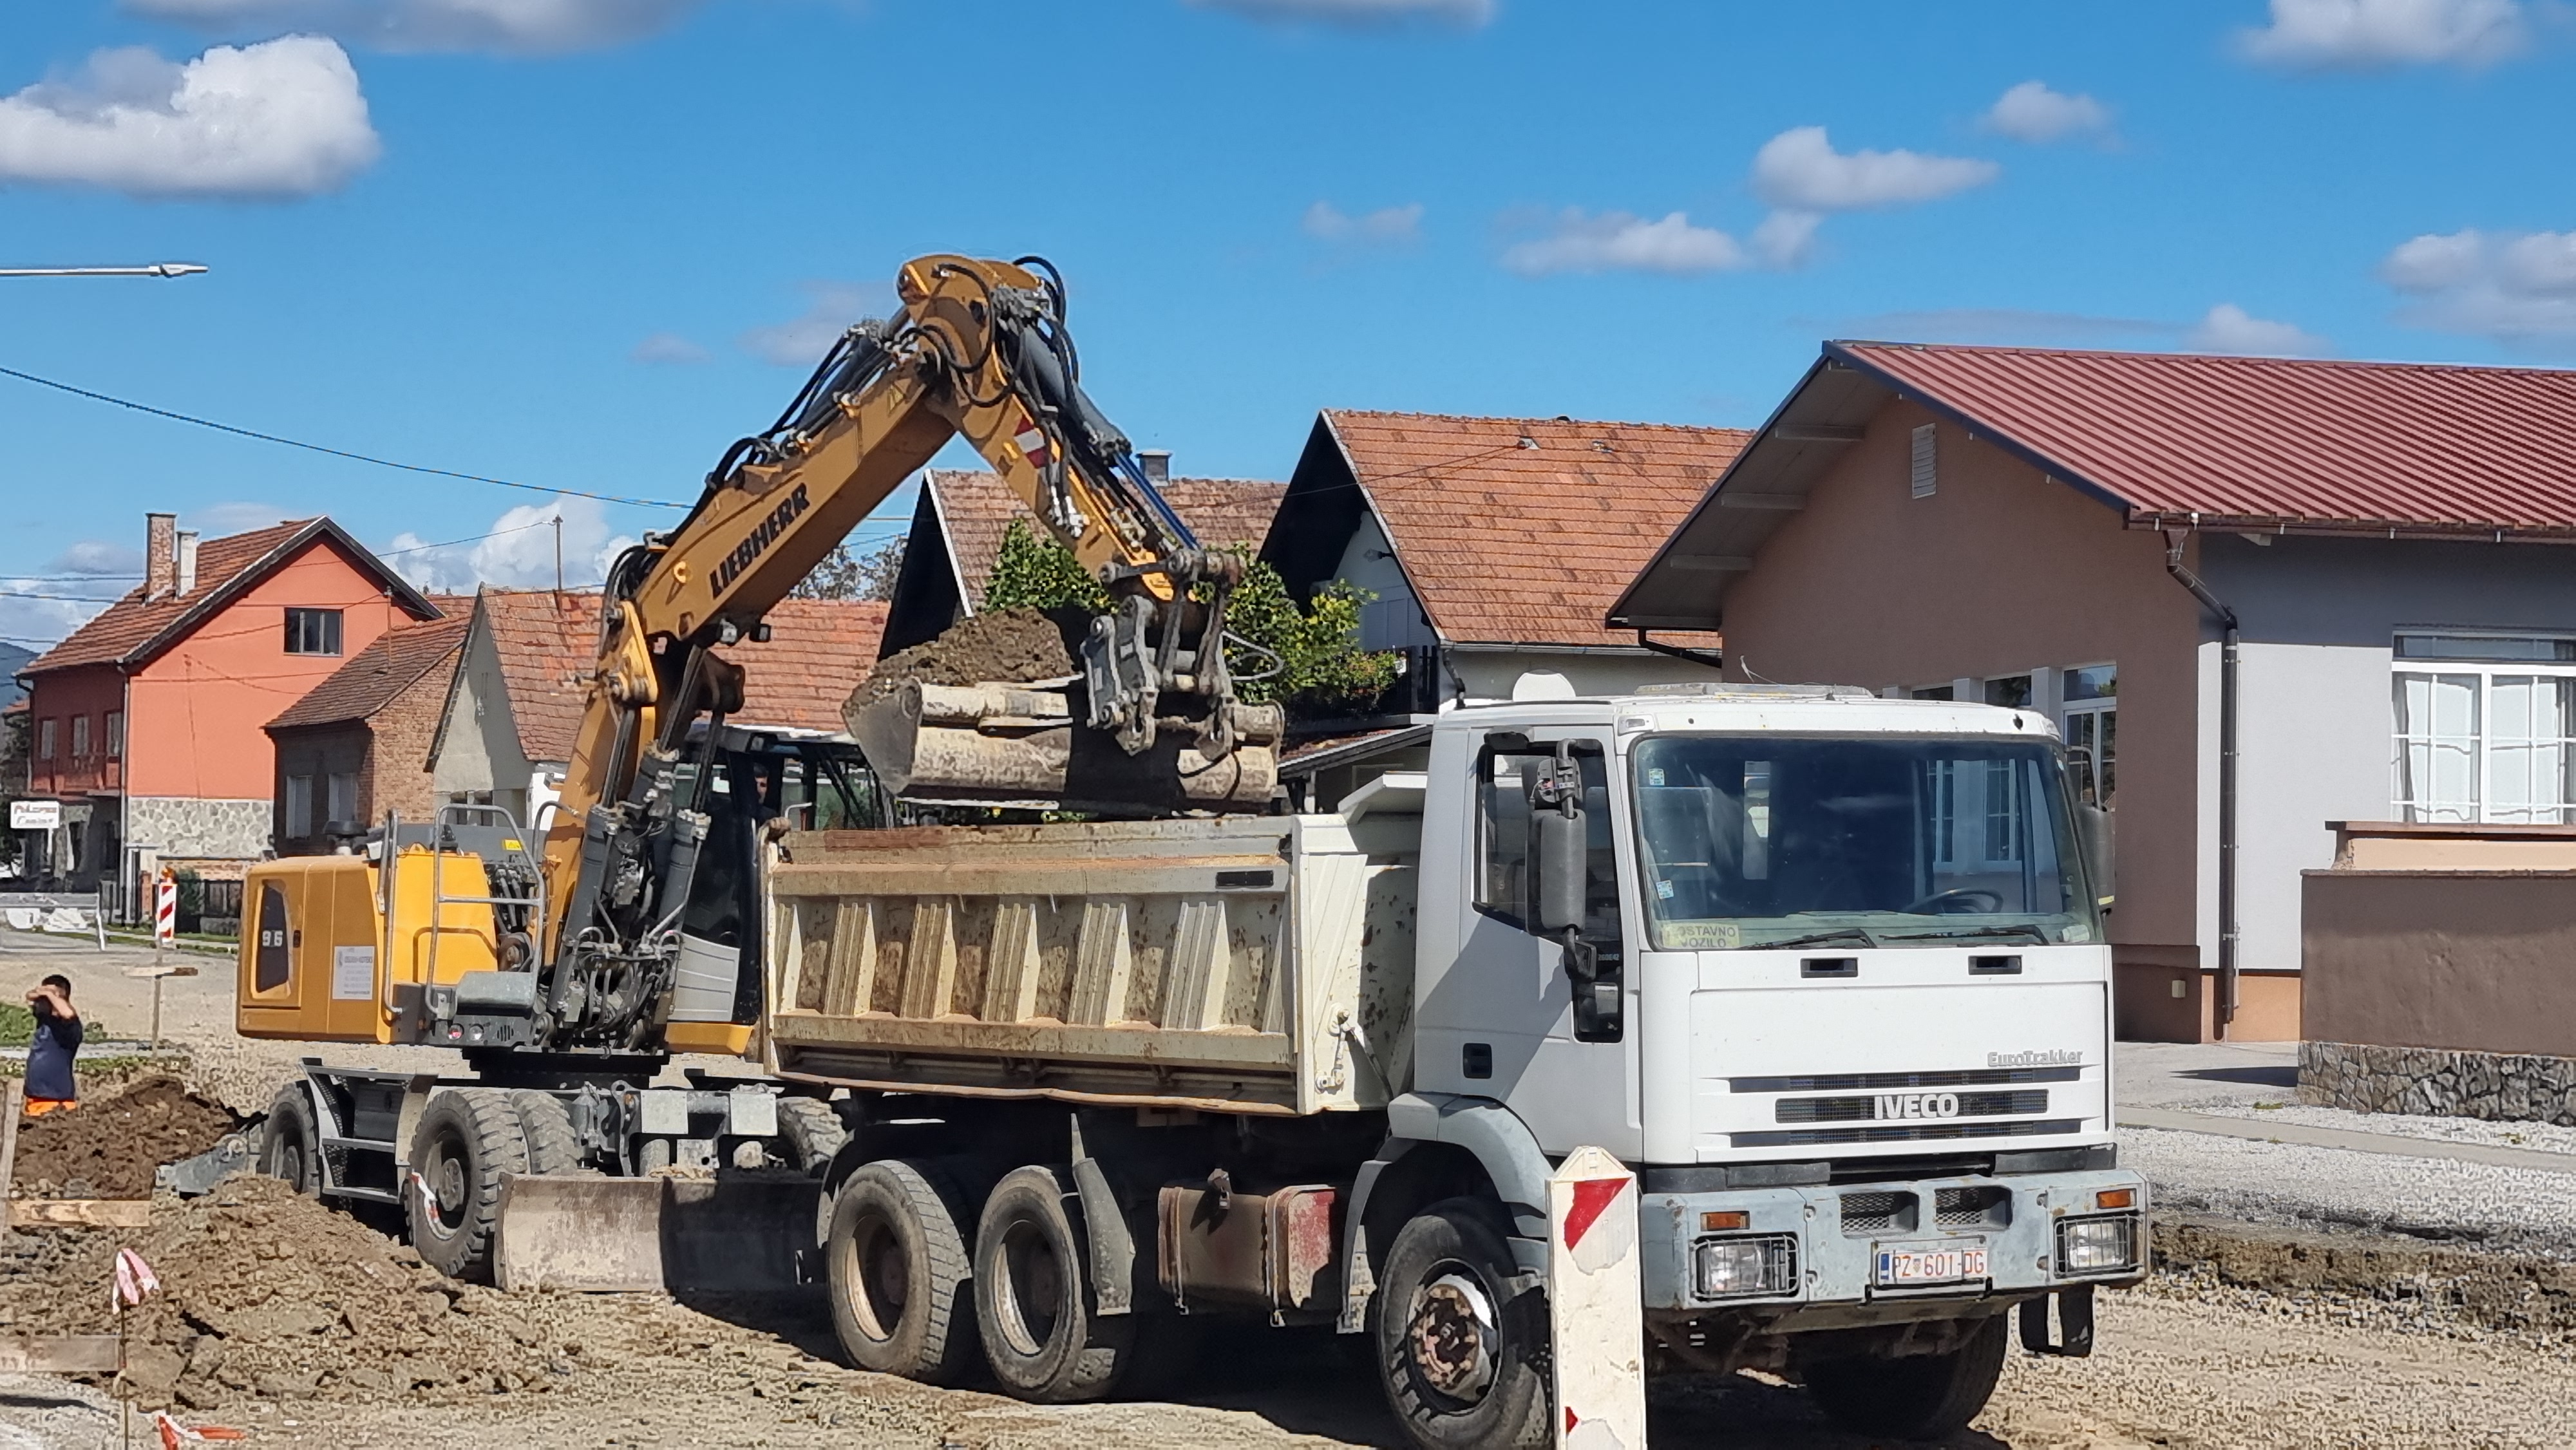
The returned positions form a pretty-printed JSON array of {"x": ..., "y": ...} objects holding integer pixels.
[
  {"x": 165, "y": 908},
  {"x": 1033, "y": 442},
  {"x": 1596, "y": 1311}
]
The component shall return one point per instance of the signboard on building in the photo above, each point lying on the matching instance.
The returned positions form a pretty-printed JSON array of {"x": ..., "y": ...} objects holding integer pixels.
[{"x": 35, "y": 815}]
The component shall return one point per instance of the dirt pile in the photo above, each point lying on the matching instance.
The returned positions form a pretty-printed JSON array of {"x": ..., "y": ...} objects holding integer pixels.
[
  {"x": 108, "y": 1148},
  {"x": 1014, "y": 645}
]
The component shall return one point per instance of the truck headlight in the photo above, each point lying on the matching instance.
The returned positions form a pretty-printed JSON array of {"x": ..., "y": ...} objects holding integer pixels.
[
  {"x": 1736, "y": 1268},
  {"x": 2097, "y": 1245}
]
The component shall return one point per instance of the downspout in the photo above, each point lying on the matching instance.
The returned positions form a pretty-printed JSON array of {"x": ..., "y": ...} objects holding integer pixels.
[{"x": 2225, "y": 1008}]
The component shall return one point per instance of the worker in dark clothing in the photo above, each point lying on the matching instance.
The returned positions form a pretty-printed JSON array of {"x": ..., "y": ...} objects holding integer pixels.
[{"x": 50, "y": 1086}]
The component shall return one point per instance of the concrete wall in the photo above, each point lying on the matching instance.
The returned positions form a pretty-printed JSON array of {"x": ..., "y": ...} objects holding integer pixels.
[
  {"x": 196, "y": 828},
  {"x": 2473, "y": 960},
  {"x": 2001, "y": 571}
]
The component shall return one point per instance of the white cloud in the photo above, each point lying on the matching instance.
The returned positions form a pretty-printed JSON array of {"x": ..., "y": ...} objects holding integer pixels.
[
  {"x": 518, "y": 553},
  {"x": 2032, "y": 112},
  {"x": 2371, "y": 34},
  {"x": 1618, "y": 241},
  {"x": 1387, "y": 226},
  {"x": 801, "y": 341},
  {"x": 281, "y": 118},
  {"x": 2515, "y": 286},
  {"x": 1799, "y": 170},
  {"x": 2230, "y": 328},
  {"x": 670, "y": 347},
  {"x": 1358, "y": 14},
  {"x": 99, "y": 559},
  {"x": 509, "y": 26}
]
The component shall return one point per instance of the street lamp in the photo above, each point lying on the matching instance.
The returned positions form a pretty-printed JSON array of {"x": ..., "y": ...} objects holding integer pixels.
[{"x": 156, "y": 269}]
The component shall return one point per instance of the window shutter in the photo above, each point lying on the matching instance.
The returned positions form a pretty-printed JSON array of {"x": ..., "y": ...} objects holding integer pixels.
[{"x": 1926, "y": 475}]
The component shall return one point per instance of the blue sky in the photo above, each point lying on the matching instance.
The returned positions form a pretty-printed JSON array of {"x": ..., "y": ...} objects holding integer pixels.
[{"x": 585, "y": 243}]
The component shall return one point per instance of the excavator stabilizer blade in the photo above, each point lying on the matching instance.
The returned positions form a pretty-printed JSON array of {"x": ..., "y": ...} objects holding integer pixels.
[
  {"x": 1001, "y": 744},
  {"x": 681, "y": 1235}
]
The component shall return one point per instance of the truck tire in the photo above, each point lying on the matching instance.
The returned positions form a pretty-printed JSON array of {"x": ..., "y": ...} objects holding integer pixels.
[
  {"x": 1920, "y": 1397},
  {"x": 813, "y": 1133},
  {"x": 467, "y": 1141},
  {"x": 546, "y": 1124},
  {"x": 290, "y": 1147},
  {"x": 1033, "y": 1305},
  {"x": 897, "y": 1264},
  {"x": 1458, "y": 1353}
]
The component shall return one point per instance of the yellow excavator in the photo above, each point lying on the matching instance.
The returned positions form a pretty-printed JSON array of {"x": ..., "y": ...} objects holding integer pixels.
[{"x": 570, "y": 975}]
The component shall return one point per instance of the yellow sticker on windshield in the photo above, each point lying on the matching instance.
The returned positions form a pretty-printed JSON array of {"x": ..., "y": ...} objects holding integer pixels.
[{"x": 1713, "y": 936}]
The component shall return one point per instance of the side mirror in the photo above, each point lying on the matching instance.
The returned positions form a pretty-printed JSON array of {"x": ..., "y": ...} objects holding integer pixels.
[
  {"x": 1560, "y": 864},
  {"x": 1561, "y": 848},
  {"x": 2093, "y": 835}
]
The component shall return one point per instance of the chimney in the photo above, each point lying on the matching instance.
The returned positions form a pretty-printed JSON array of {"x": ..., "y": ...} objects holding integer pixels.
[
  {"x": 187, "y": 561},
  {"x": 160, "y": 555},
  {"x": 1157, "y": 463}
]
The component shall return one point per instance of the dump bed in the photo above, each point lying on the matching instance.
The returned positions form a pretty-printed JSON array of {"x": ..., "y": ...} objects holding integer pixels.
[{"x": 1236, "y": 964}]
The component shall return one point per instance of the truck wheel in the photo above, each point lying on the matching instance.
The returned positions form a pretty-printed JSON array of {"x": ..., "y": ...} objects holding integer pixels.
[
  {"x": 813, "y": 1133},
  {"x": 898, "y": 1269},
  {"x": 1457, "y": 1353},
  {"x": 546, "y": 1124},
  {"x": 1920, "y": 1397},
  {"x": 289, "y": 1148},
  {"x": 1033, "y": 1296},
  {"x": 467, "y": 1140}
]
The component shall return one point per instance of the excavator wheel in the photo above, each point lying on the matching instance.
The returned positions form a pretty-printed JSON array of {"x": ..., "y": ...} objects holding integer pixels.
[
  {"x": 289, "y": 1148},
  {"x": 814, "y": 1134},
  {"x": 467, "y": 1141},
  {"x": 546, "y": 1124}
]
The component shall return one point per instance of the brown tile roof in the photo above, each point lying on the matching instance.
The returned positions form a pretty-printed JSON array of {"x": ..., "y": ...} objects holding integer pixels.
[
  {"x": 2245, "y": 441},
  {"x": 396, "y": 661},
  {"x": 133, "y": 628},
  {"x": 976, "y": 509},
  {"x": 1523, "y": 530},
  {"x": 818, "y": 651}
]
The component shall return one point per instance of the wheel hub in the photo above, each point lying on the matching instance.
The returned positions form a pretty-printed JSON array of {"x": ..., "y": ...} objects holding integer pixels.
[{"x": 1452, "y": 1336}]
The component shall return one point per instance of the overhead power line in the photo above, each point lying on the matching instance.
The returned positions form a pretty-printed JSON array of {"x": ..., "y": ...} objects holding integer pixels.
[{"x": 25, "y": 377}]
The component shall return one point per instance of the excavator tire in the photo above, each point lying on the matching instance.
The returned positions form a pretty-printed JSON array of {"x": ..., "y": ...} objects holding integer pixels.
[
  {"x": 467, "y": 1141},
  {"x": 546, "y": 1124},
  {"x": 814, "y": 1134},
  {"x": 898, "y": 1267},
  {"x": 1042, "y": 1333},
  {"x": 289, "y": 1147}
]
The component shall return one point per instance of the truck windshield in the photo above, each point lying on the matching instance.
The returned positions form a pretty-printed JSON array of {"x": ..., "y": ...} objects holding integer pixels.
[{"x": 1765, "y": 841}]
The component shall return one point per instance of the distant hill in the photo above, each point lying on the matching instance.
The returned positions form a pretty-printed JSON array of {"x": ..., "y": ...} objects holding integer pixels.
[{"x": 13, "y": 658}]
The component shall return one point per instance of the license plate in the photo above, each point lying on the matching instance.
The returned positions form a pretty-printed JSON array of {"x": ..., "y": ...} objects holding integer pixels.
[{"x": 1930, "y": 1265}]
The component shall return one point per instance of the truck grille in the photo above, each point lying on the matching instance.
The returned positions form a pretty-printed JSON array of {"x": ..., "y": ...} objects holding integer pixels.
[
  {"x": 1868, "y": 1109},
  {"x": 1981, "y": 1205},
  {"x": 1871, "y": 1082},
  {"x": 1908, "y": 1133},
  {"x": 1878, "y": 1212}
]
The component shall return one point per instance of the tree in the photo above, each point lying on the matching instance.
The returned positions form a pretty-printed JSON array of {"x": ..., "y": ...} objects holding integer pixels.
[
  {"x": 844, "y": 575},
  {"x": 1307, "y": 658}
]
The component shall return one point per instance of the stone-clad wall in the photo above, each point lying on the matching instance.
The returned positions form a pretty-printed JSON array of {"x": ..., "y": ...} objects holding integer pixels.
[{"x": 2431, "y": 1080}]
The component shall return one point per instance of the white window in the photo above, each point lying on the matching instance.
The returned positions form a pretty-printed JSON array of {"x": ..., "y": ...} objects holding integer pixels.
[
  {"x": 342, "y": 798},
  {"x": 1925, "y": 474},
  {"x": 299, "y": 807},
  {"x": 2485, "y": 729},
  {"x": 312, "y": 631},
  {"x": 115, "y": 732},
  {"x": 80, "y": 737},
  {"x": 45, "y": 739},
  {"x": 2091, "y": 722}
]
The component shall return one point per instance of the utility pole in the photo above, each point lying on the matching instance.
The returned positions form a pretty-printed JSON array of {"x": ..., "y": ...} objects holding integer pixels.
[{"x": 559, "y": 556}]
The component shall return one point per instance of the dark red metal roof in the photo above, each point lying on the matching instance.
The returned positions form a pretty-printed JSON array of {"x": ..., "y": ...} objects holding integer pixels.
[{"x": 2262, "y": 442}]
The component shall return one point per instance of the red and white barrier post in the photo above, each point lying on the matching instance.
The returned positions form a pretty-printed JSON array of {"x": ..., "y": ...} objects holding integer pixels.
[
  {"x": 1596, "y": 1312},
  {"x": 165, "y": 910}
]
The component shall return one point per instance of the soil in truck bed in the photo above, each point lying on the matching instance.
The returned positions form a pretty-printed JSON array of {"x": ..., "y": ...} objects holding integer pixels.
[{"x": 1015, "y": 646}]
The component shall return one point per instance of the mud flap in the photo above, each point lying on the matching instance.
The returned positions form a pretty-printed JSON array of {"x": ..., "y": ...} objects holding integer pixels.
[
  {"x": 2074, "y": 1323},
  {"x": 725, "y": 1236}
]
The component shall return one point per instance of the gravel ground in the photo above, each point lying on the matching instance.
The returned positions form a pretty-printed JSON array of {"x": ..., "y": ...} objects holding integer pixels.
[
  {"x": 2540, "y": 1137},
  {"x": 2293, "y": 1184}
]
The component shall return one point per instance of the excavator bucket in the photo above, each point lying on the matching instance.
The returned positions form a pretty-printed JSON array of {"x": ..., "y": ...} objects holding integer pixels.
[
  {"x": 1005, "y": 744},
  {"x": 680, "y": 1235}
]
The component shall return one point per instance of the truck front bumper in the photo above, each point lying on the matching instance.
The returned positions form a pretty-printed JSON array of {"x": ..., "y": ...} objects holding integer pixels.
[{"x": 1873, "y": 1253}]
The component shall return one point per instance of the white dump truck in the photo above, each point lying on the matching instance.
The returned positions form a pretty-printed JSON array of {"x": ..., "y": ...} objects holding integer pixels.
[{"x": 1826, "y": 971}]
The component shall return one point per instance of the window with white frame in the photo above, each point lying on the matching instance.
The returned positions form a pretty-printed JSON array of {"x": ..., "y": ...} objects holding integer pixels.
[
  {"x": 2090, "y": 719},
  {"x": 2485, "y": 729},
  {"x": 299, "y": 807}
]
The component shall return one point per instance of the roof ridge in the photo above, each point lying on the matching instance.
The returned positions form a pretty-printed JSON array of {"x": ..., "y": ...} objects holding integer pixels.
[
  {"x": 1558, "y": 419},
  {"x": 2233, "y": 358}
]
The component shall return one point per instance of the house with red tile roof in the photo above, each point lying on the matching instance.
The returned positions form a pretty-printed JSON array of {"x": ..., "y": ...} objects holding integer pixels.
[
  {"x": 147, "y": 719},
  {"x": 961, "y": 515},
  {"x": 1493, "y": 546},
  {"x": 2351, "y": 578},
  {"x": 358, "y": 745},
  {"x": 506, "y": 730}
]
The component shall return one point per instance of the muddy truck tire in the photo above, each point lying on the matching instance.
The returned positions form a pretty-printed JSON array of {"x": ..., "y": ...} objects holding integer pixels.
[
  {"x": 1033, "y": 1306},
  {"x": 899, "y": 1269},
  {"x": 1458, "y": 1354},
  {"x": 1918, "y": 1397},
  {"x": 467, "y": 1141}
]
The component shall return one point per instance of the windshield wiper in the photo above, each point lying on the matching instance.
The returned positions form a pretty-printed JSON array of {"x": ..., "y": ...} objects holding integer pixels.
[
  {"x": 1840, "y": 933},
  {"x": 1964, "y": 933}
]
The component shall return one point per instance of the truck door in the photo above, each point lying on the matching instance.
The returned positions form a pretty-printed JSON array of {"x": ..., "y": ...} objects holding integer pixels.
[{"x": 1500, "y": 1022}]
